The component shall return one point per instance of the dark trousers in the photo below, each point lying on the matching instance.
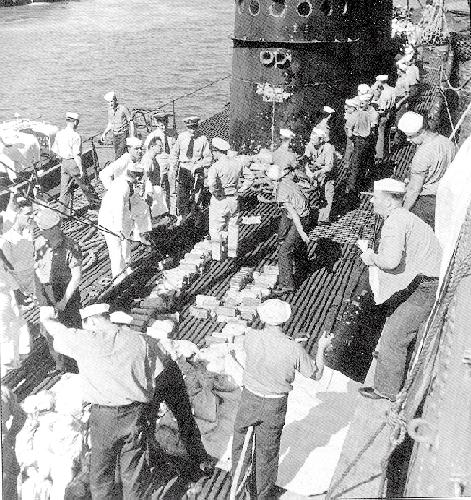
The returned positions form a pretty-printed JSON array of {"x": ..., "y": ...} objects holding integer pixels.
[
  {"x": 119, "y": 143},
  {"x": 267, "y": 415},
  {"x": 382, "y": 143},
  {"x": 119, "y": 435},
  {"x": 71, "y": 173},
  {"x": 291, "y": 250},
  {"x": 362, "y": 161},
  {"x": 399, "y": 331},
  {"x": 70, "y": 317},
  {"x": 424, "y": 207},
  {"x": 189, "y": 185},
  {"x": 171, "y": 389}
]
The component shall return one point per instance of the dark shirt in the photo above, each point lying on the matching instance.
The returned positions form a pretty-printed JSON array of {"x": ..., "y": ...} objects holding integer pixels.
[{"x": 53, "y": 265}]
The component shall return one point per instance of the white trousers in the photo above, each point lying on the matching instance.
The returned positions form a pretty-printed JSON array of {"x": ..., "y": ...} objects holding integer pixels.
[
  {"x": 221, "y": 214},
  {"x": 119, "y": 252}
]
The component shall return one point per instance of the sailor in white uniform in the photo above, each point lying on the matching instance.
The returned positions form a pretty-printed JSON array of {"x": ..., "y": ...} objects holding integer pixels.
[
  {"x": 126, "y": 215},
  {"x": 119, "y": 167}
]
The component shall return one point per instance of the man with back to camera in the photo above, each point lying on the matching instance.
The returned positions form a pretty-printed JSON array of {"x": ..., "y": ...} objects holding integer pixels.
[
  {"x": 223, "y": 182},
  {"x": 272, "y": 360},
  {"x": 119, "y": 122},
  {"x": 68, "y": 147},
  {"x": 123, "y": 373},
  {"x": 432, "y": 157},
  {"x": 292, "y": 237},
  {"x": 407, "y": 264}
]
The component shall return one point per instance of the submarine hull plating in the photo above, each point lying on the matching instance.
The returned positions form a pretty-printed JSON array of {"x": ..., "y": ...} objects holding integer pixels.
[{"x": 287, "y": 66}]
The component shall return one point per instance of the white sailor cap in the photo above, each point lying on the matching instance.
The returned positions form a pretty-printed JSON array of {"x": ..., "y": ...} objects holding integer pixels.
[
  {"x": 220, "y": 144},
  {"x": 363, "y": 88},
  {"x": 318, "y": 131},
  {"x": 353, "y": 103},
  {"x": 191, "y": 121},
  {"x": 389, "y": 185},
  {"x": 328, "y": 109},
  {"x": 287, "y": 133},
  {"x": 134, "y": 142},
  {"x": 161, "y": 328},
  {"x": 410, "y": 123},
  {"x": 274, "y": 172},
  {"x": 72, "y": 116},
  {"x": 274, "y": 311},
  {"x": 47, "y": 218},
  {"x": 94, "y": 310},
  {"x": 121, "y": 317},
  {"x": 382, "y": 78},
  {"x": 365, "y": 97},
  {"x": 109, "y": 96}
]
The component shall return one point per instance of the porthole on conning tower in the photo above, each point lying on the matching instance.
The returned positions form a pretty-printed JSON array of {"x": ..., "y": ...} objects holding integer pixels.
[
  {"x": 277, "y": 8},
  {"x": 326, "y": 7},
  {"x": 304, "y": 8},
  {"x": 254, "y": 7}
]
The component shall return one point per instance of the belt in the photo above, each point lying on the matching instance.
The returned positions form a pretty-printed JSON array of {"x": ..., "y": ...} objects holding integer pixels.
[
  {"x": 267, "y": 396},
  {"x": 111, "y": 407}
]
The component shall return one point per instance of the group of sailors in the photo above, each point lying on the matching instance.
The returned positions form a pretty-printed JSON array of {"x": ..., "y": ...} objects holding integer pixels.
[{"x": 169, "y": 173}]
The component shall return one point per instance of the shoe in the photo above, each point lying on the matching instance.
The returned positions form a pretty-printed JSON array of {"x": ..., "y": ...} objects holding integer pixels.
[
  {"x": 371, "y": 393},
  {"x": 207, "y": 467}
]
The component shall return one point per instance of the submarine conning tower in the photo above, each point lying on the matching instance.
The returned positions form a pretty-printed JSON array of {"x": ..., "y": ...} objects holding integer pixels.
[{"x": 292, "y": 57}]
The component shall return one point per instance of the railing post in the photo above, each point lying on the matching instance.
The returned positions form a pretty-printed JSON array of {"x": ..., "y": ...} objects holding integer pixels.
[{"x": 174, "y": 116}]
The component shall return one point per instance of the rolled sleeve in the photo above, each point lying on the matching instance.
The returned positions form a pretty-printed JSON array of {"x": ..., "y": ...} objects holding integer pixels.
[{"x": 74, "y": 256}]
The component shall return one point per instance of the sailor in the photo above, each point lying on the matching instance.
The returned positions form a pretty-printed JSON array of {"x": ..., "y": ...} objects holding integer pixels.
[
  {"x": 283, "y": 156},
  {"x": 68, "y": 147},
  {"x": 363, "y": 131},
  {"x": 189, "y": 159},
  {"x": 412, "y": 74},
  {"x": 407, "y": 265},
  {"x": 119, "y": 167},
  {"x": 58, "y": 266},
  {"x": 155, "y": 189},
  {"x": 386, "y": 102},
  {"x": 116, "y": 216},
  {"x": 167, "y": 135},
  {"x": 272, "y": 359},
  {"x": 321, "y": 168},
  {"x": 351, "y": 105},
  {"x": 324, "y": 122},
  {"x": 170, "y": 388},
  {"x": 363, "y": 89},
  {"x": 292, "y": 237},
  {"x": 119, "y": 122},
  {"x": 117, "y": 369},
  {"x": 18, "y": 248},
  {"x": 402, "y": 100},
  {"x": 223, "y": 181},
  {"x": 432, "y": 157}
]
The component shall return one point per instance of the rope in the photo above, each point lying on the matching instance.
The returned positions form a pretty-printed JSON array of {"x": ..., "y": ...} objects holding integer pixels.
[
  {"x": 460, "y": 121},
  {"x": 352, "y": 464},
  {"x": 449, "y": 114}
]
